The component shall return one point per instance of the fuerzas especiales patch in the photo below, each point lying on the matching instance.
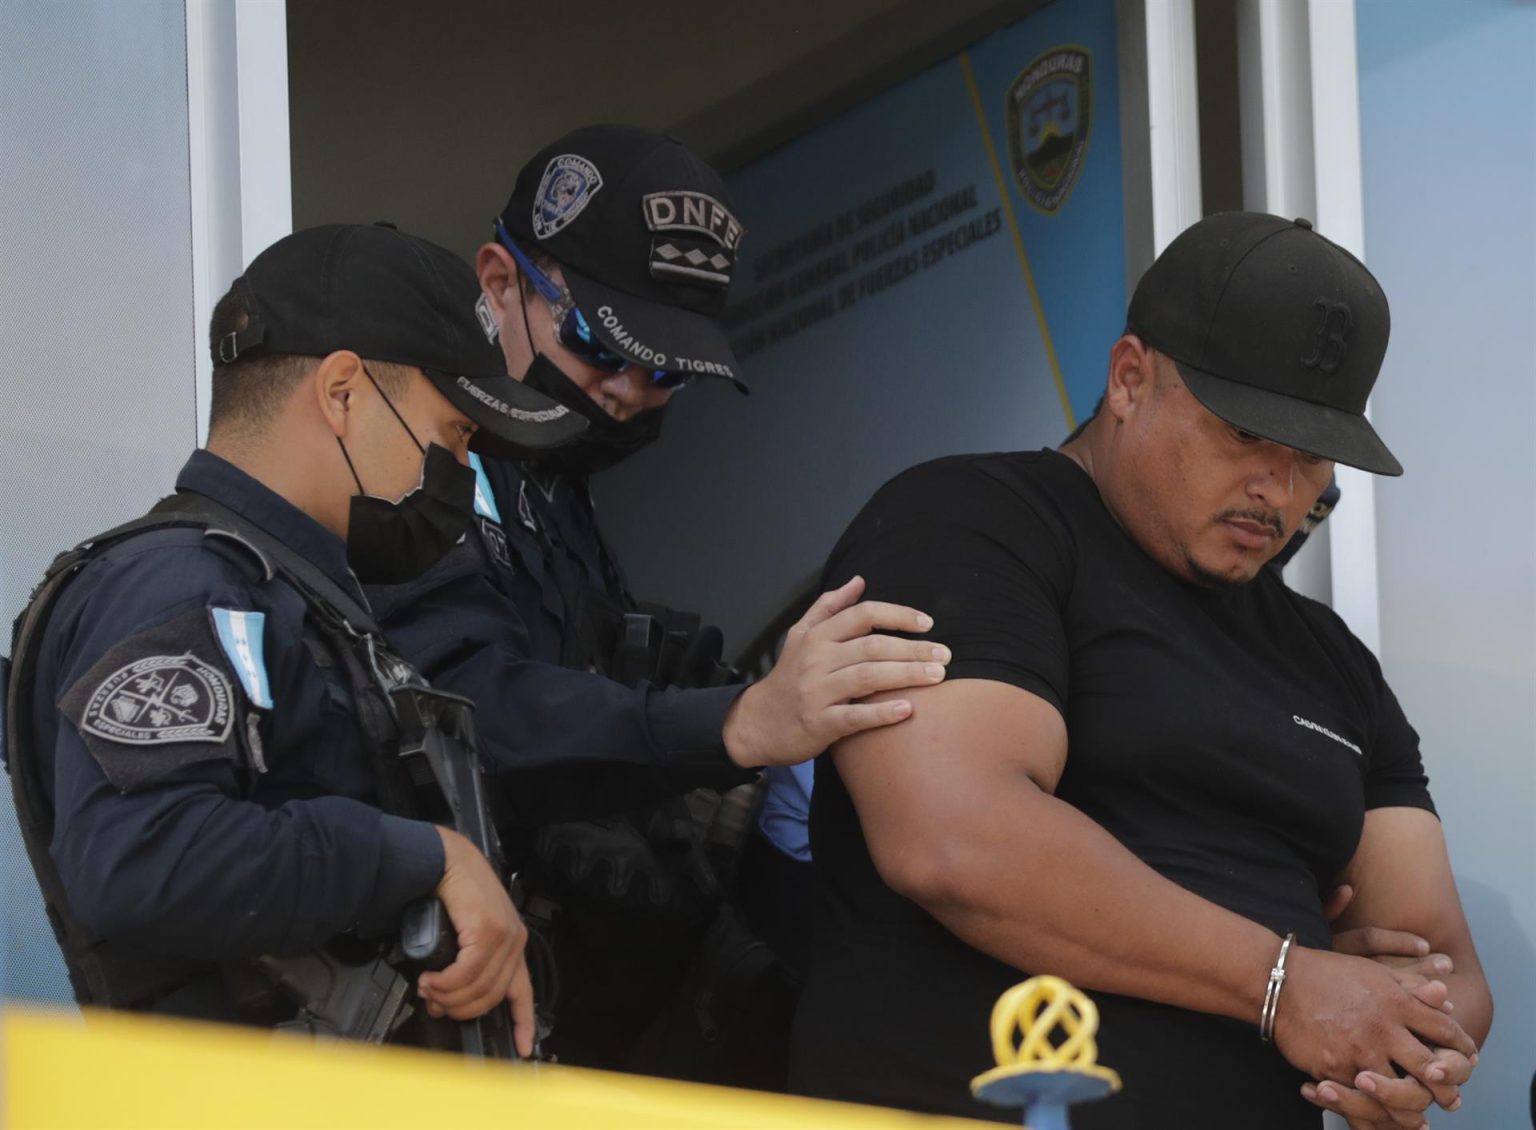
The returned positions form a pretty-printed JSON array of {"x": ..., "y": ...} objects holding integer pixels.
[
  {"x": 161, "y": 699},
  {"x": 156, "y": 702}
]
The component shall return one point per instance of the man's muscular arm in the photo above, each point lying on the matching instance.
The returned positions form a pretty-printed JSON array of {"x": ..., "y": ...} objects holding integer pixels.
[
  {"x": 1402, "y": 880},
  {"x": 958, "y": 812},
  {"x": 1401, "y": 875}
]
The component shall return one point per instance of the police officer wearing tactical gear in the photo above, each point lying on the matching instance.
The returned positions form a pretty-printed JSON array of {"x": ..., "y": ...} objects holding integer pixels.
[
  {"x": 603, "y": 281},
  {"x": 201, "y": 732}
]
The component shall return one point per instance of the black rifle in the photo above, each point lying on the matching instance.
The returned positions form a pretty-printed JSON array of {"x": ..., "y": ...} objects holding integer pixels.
[
  {"x": 439, "y": 752},
  {"x": 363, "y": 998},
  {"x": 349, "y": 989}
]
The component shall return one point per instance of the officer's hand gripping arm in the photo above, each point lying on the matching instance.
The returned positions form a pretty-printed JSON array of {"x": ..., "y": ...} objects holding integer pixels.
[{"x": 830, "y": 661}]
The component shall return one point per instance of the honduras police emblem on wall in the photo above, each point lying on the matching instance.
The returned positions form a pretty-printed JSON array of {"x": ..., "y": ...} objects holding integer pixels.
[
  {"x": 569, "y": 183},
  {"x": 1050, "y": 114},
  {"x": 166, "y": 698}
]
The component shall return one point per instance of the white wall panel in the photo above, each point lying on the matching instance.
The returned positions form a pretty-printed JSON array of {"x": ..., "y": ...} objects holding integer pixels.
[
  {"x": 1455, "y": 248},
  {"x": 96, "y": 408}
]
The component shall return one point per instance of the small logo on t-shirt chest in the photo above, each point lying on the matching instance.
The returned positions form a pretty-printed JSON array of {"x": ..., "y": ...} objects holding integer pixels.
[{"x": 1326, "y": 732}]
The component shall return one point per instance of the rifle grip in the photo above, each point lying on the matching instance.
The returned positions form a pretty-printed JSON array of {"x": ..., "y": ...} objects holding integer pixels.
[{"x": 427, "y": 936}]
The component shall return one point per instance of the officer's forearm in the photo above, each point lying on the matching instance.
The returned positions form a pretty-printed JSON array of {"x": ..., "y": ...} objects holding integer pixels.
[
  {"x": 535, "y": 717},
  {"x": 193, "y": 873}
]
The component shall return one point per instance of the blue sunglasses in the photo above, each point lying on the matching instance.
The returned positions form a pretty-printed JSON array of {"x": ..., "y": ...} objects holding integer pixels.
[{"x": 571, "y": 327}]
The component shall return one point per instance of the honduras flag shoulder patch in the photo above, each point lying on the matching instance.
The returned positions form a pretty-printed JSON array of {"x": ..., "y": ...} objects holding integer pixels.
[
  {"x": 240, "y": 634},
  {"x": 485, "y": 499}
]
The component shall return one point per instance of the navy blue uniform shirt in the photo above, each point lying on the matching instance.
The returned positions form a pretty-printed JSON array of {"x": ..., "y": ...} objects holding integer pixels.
[
  {"x": 212, "y": 790},
  {"x": 486, "y": 622}
]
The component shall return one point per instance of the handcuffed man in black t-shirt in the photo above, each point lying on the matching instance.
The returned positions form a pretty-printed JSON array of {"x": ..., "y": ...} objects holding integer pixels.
[{"x": 1151, "y": 762}]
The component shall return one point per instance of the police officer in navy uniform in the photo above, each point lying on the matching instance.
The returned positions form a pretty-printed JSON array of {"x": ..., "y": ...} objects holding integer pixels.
[
  {"x": 603, "y": 283},
  {"x": 196, "y": 753}
]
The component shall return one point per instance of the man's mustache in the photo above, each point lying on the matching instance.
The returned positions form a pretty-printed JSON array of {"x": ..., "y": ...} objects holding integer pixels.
[{"x": 1271, "y": 518}]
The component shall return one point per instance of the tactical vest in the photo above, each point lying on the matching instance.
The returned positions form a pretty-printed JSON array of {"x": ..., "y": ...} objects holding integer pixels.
[
  {"x": 653, "y": 965},
  {"x": 112, "y": 974}
]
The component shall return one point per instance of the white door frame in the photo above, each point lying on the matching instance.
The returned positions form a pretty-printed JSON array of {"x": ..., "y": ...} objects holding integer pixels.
[
  {"x": 1293, "y": 57},
  {"x": 237, "y": 120},
  {"x": 1335, "y": 74},
  {"x": 1159, "y": 126}
]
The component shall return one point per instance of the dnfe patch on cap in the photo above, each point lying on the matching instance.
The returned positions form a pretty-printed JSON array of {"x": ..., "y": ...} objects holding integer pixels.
[
  {"x": 699, "y": 260},
  {"x": 568, "y": 185}
]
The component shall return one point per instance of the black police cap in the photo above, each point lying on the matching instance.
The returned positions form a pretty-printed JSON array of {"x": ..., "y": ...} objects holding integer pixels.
[
  {"x": 646, "y": 237},
  {"x": 389, "y": 296}
]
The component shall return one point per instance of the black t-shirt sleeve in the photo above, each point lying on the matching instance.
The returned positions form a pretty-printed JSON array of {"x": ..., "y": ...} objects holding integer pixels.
[
  {"x": 953, "y": 541},
  {"x": 1393, "y": 768},
  {"x": 1395, "y": 777}
]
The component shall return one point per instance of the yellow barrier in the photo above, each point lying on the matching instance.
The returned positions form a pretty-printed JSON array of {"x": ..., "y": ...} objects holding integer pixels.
[{"x": 116, "y": 1071}]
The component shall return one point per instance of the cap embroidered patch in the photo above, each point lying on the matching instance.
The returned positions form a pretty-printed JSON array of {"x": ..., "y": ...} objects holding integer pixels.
[
  {"x": 568, "y": 185},
  {"x": 695, "y": 212},
  {"x": 161, "y": 699},
  {"x": 496, "y": 404},
  {"x": 689, "y": 257}
]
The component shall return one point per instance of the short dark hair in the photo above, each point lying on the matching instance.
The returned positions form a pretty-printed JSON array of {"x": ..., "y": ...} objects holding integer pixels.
[{"x": 251, "y": 390}]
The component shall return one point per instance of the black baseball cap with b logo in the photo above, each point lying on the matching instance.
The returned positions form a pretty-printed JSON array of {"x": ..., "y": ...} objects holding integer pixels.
[
  {"x": 646, "y": 237},
  {"x": 1275, "y": 329}
]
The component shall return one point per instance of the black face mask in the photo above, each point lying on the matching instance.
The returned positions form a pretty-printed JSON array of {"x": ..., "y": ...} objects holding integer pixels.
[
  {"x": 389, "y": 543},
  {"x": 606, "y": 441}
]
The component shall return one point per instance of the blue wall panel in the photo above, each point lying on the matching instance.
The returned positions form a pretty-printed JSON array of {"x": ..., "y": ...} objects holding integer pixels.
[{"x": 876, "y": 335}]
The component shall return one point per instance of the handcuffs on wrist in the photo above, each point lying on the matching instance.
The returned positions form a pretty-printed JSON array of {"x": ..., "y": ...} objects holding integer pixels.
[{"x": 1272, "y": 993}]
